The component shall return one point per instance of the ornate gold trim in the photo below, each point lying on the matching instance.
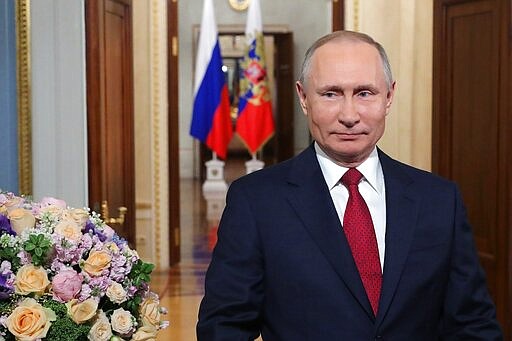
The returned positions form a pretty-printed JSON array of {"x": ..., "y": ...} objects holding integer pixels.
[
  {"x": 239, "y": 5},
  {"x": 356, "y": 15},
  {"x": 24, "y": 96},
  {"x": 156, "y": 98}
]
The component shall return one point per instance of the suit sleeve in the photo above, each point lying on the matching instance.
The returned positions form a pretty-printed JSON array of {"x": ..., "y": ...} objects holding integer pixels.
[
  {"x": 469, "y": 312},
  {"x": 230, "y": 309}
]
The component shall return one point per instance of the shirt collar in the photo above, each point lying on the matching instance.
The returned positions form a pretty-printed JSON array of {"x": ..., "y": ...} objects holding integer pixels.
[{"x": 370, "y": 168}]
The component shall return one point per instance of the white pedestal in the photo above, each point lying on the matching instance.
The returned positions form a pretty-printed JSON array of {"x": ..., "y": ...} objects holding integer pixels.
[
  {"x": 214, "y": 190},
  {"x": 214, "y": 176},
  {"x": 253, "y": 165}
]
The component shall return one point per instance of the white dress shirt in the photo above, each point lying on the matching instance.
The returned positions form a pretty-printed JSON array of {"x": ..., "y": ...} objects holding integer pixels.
[{"x": 371, "y": 188}]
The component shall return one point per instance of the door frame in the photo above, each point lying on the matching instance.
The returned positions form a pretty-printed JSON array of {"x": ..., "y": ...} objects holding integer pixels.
[{"x": 173, "y": 129}]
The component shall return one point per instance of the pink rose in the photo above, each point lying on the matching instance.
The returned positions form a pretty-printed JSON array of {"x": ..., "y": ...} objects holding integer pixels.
[
  {"x": 49, "y": 201},
  {"x": 66, "y": 284}
]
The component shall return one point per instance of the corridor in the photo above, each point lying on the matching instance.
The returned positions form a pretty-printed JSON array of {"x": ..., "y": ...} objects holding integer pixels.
[{"x": 182, "y": 287}]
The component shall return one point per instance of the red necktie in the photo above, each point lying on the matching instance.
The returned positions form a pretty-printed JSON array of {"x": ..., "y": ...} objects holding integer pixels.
[{"x": 358, "y": 227}]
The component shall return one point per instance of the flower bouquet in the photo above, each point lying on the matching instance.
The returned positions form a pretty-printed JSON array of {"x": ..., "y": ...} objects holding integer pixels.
[{"x": 66, "y": 275}]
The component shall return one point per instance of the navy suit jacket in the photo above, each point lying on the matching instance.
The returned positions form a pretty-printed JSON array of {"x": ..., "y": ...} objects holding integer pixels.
[{"x": 282, "y": 266}]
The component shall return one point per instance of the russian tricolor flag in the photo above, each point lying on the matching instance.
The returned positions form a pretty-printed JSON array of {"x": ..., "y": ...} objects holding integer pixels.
[
  {"x": 255, "y": 122},
  {"x": 211, "y": 120}
]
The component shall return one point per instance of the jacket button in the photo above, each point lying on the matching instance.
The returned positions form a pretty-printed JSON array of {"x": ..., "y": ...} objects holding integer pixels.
[{"x": 379, "y": 337}]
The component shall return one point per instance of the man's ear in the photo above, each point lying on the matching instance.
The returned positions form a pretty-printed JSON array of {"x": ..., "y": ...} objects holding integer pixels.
[
  {"x": 301, "y": 93},
  {"x": 390, "y": 96}
]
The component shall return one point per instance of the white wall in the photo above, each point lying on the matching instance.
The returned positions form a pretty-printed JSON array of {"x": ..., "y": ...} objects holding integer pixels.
[
  {"x": 59, "y": 146},
  {"x": 306, "y": 25}
]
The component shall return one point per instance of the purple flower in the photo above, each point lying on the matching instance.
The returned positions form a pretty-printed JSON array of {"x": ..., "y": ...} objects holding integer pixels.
[
  {"x": 132, "y": 290},
  {"x": 5, "y": 226},
  {"x": 120, "y": 241},
  {"x": 91, "y": 228},
  {"x": 99, "y": 286},
  {"x": 85, "y": 292},
  {"x": 6, "y": 289}
]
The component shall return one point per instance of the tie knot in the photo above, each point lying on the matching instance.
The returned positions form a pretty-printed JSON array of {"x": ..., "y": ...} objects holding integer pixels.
[{"x": 351, "y": 177}]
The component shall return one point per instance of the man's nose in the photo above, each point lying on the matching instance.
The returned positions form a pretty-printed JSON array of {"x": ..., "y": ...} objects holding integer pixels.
[{"x": 347, "y": 112}]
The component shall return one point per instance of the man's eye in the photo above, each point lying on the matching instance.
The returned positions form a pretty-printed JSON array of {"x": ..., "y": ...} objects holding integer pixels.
[
  {"x": 364, "y": 93},
  {"x": 329, "y": 94}
]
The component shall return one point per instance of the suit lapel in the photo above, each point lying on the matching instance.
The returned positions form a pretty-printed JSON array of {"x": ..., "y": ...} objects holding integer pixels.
[
  {"x": 401, "y": 215},
  {"x": 310, "y": 198}
]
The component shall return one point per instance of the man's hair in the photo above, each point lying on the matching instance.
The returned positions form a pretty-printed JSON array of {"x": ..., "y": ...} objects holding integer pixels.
[{"x": 346, "y": 36}]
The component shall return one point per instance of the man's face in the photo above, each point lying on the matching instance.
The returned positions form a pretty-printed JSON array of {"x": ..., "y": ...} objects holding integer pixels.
[{"x": 346, "y": 99}]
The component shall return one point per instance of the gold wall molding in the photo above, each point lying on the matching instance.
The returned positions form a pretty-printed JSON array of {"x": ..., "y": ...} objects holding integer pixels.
[
  {"x": 159, "y": 131},
  {"x": 155, "y": 103},
  {"x": 356, "y": 15},
  {"x": 24, "y": 101}
]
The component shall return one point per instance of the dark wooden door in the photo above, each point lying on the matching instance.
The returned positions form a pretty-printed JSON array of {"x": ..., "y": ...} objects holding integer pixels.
[
  {"x": 338, "y": 15},
  {"x": 110, "y": 111},
  {"x": 472, "y": 140},
  {"x": 280, "y": 146},
  {"x": 174, "y": 169}
]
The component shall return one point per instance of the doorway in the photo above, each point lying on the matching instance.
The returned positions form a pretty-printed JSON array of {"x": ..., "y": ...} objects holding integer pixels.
[{"x": 279, "y": 57}]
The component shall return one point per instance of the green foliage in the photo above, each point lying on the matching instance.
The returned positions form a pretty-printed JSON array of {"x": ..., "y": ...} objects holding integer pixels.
[
  {"x": 60, "y": 309},
  {"x": 37, "y": 246},
  {"x": 10, "y": 253},
  {"x": 133, "y": 305},
  {"x": 6, "y": 307},
  {"x": 9, "y": 337},
  {"x": 64, "y": 329},
  {"x": 141, "y": 272}
]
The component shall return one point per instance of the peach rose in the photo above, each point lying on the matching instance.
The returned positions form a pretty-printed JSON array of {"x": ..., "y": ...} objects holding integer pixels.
[
  {"x": 30, "y": 320},
  {"x": 69, "y": 229},
  {"x": 101, "y": 329},
  {"x": 78, "y": 215},
  {"x": 145, "y": 333},
  {"x": 97, "y": 262},
  {"x": 81, "y": 312},
  {"x": 13, "y": 203},
  {"x": 21, "y": 219},
  {"x": 54, "y": 211},
  {"x": 122, "y": 321},
  {"x": 52, "y": 206},
  {"x": 149, "y": 311},
  {"x": 116, "y": 293},
  {"x": 31, "y": 279}
]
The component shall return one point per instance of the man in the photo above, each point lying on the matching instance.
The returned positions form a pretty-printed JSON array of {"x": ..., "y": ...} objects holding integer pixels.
[{"x": 342, "y": 242}]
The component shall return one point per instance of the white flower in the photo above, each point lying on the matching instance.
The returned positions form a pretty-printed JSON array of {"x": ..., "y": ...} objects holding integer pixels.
[
  {"x": 116, "y": 293},
  {"x": 122, "y": 321},
  {"x": 101, "y": 329}
]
